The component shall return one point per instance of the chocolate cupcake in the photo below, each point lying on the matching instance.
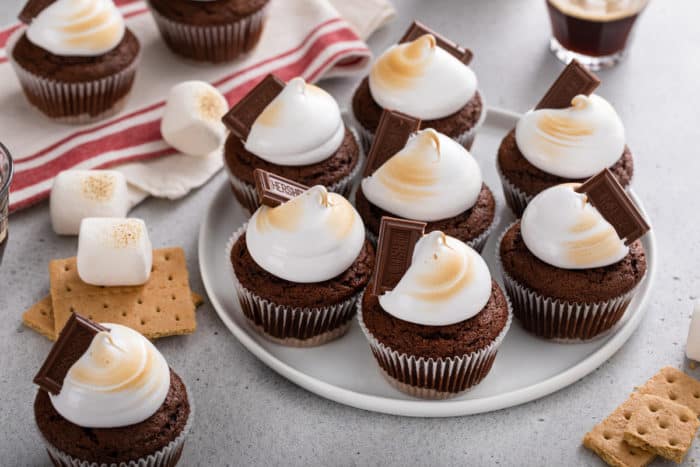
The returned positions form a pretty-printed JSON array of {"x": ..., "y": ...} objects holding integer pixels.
[
  {"x": 299, "y": 134},
  {"x": 299, "y": 268},
  {"x": 210, "y": 30},
  {"x": 432, "y": 179},
  {"x": 76, "y": 61},
  {"x": 550, "y": 146},
  {"x": 437, "y": 333},
  {"x": 569, "y": 274},
  {"x": 108, "y": 398},
  {"x": 427, "y": 78}
]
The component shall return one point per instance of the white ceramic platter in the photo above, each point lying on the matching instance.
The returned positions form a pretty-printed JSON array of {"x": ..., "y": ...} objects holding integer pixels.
[{"x": 525, "y": 369}]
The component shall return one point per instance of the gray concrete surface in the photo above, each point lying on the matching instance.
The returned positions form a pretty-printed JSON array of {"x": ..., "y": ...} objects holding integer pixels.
[{"x": 248, "y": 415}]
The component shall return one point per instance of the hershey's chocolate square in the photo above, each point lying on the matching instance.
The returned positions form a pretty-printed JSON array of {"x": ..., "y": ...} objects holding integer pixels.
[
  {"x": 32, "y": 9},
  {"x": 241, "y": 117},
  {"x": 606, "y": 194},
  {"x": 575, "y": 79},
  {"x": 72, "y": 343},
  {"x": 397, "y": 239},
  {"x": 274, "y": 190},
  {"x": 392, "y": 133},
  {"x": 418, "y": 29}
]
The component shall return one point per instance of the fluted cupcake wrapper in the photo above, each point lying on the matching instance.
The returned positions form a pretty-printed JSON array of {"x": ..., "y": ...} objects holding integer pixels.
[
  {"x": 292, "y": 326},
  {"x": 246, "y": 194},
  {"x": 560, "y": 320},
  {"x": 214, "y": 43},
  {"x": 75, "y": 102},
  {"x": 477, "y": 243},
  {"x": 433, "y": 378},
  {"x": 466, "y": 139},
  {"x": 516, "y": 199},
  {"x": 168, "y": 456}
]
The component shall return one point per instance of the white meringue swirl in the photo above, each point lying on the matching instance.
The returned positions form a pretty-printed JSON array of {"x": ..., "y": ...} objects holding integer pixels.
[
  {"x": 447, "y": 282},
  {"x": 576, "y": 142},
  {"x": 301, "y": 126},
  {"x": 122, "y": 379},
  {"x": 311, "y": 238},
  {"x": 78, "y": 27},
  {"x": 563, "y": 229},
  {"x": 422, "y": 80},
  {"x": 433, "y": 177}
]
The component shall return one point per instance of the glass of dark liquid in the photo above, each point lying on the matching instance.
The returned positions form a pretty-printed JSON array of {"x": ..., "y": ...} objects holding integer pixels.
[
  {"x": 5, "y": 180},
  {"x": 594, "y": 32}
]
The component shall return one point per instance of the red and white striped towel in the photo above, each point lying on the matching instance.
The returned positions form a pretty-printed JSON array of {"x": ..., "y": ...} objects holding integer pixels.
[{"x": 308, "y": 38}]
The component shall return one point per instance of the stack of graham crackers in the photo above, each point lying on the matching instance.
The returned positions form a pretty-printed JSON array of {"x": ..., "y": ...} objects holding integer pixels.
[
  {"x": 659, "y": 419},
  {"x": 163, "y": 306}
]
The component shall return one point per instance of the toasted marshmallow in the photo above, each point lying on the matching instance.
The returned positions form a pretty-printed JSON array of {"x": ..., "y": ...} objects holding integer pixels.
[
  {"x": 692, "y": 347},
  {"x": 114, "y": 252},
  {"x": 192, "y": 119},
  {"x": 77, "y": 194}
]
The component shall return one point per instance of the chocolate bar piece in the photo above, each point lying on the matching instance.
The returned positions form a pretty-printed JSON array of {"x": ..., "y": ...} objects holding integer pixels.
[
  {"x": 606, "y": 194},
  {"x": 392, "y": 133},
  {"x": 574, "y": 80},
  {"x": 32, "y": 9},
  {"x": 72, "y": 343},
  {"x": 397, "y": 239},
  {"x": 418, "y": 29},
  {"x": 241, "y": 117},
  {"x": 274, "y": 190}
]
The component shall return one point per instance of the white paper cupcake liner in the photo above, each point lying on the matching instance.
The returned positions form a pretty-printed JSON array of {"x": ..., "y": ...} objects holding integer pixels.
[
  {"x": 433, "y": 378},
  {"x": 292, "y": 326},
  {"x": 466, "y": 139},
  {"x": 560, "y": 320},
  {"x": 168, "y": 456},
  {"x": 74, "y": 102},
  {"x": 248, "y": 197},
  {"x": 516, "y": 199},
  {"x": 212, "y": 43}
]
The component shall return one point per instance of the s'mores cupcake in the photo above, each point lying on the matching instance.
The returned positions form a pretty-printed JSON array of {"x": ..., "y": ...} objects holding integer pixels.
[
  {"x": 294, "y": 130},
  {"x": 108, "y": 397},
  {"x": 76, "y": 61},
  {"x": 572, "y": 264},
  {"x": 300, "y": 266},
  {"x": 431, "y": 178},
  {"x": 570, "y": 136},
  {"x": 426, "y": 77},
  {"x": 436, "y": 332}
]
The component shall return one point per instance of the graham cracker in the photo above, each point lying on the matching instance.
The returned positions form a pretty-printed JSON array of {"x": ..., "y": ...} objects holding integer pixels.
[
  {"x": 661, "y": 426},
  {"x": 671, "y": 383},
  {"x": 606, "y": 439},
  {"x": 40, "y": 316},
  {"x": 161, "y": 307}
]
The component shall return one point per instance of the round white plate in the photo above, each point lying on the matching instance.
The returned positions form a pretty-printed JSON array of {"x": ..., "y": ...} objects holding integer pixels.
[{"x": 525, "y": 369}]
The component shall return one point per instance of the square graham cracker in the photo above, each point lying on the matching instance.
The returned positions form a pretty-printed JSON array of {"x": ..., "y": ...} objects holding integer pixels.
[
  {"x": 606, "y": 439},
  {"x": 161, "y": 307},
  {"x": 671, "y": 383},
  {"x": 661, "y": 426},
  {"x": 40, "y": 316}
]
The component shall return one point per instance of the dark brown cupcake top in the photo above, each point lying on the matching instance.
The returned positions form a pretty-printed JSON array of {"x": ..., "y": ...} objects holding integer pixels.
[
  {"x": 572, "y": 285},
  {"x": 453, "y": 340},
  {"x": 207, "y": 13},
  {"x": 115, "y": 445}
]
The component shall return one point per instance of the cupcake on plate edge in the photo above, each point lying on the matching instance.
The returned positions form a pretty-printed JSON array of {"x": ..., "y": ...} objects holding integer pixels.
[
  {"x": 299, "y": 267},
  {"x": 426, "y": 176},
  {"x": 294, "y": 130},
  {"x": 426, "y": 77},
  {"x": 572, "y": 264},
  {"x": 107, "y": 396},
  {"x": 570, "y": 136},
  {"x": 434, "y": 317},
  {"x": 76, "y": 61}
]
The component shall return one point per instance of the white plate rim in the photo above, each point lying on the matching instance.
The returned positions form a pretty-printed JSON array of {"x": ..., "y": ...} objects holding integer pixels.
[{"x": 446, "y": 408}]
